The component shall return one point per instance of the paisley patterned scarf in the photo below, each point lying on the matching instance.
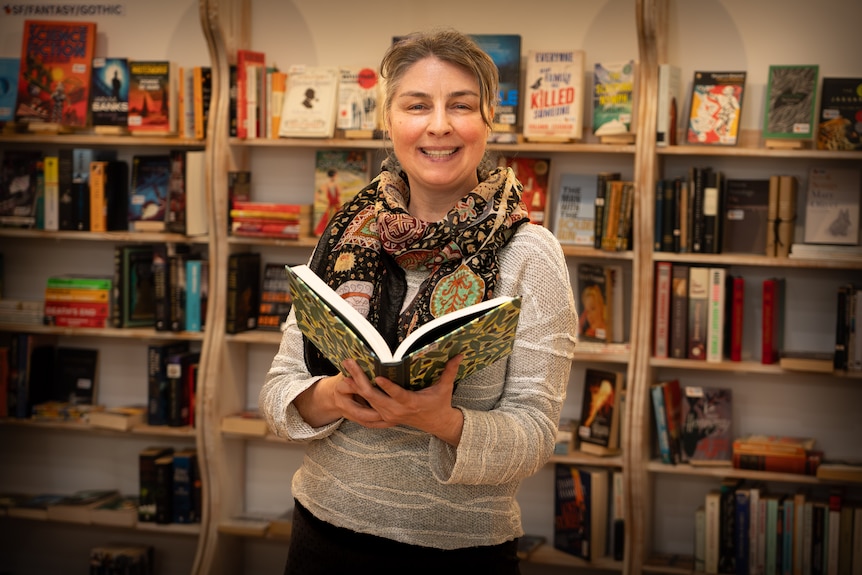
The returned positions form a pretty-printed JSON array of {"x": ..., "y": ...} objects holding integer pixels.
[{"x": 373, "y": 239}]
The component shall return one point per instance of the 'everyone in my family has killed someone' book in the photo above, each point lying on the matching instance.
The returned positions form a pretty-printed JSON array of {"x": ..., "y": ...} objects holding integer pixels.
[{"x": 483, "y": 333}]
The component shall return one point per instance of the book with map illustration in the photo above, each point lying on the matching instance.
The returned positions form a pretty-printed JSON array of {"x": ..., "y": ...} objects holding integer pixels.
[{"x": 483, "y": 333}]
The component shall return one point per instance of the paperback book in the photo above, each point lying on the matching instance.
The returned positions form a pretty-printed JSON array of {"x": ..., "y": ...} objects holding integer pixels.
[
  {"x": 574, "y": 217},
  {"x": 706, "y": 435},
  {"x": 8, "y": 88},
  {"x": 716, "y": 107},
  {"x": 338, "y": 176},
  {"x": 358, "y": 101},
  {"x": 614, "y": 98},
  {"x": 746, "y": 205},
  {"x": 599, "y": 427},
  {"x": 505, "y": 51},
  {"x": 840, "y": 112},
  {"x": 554, "y": 95},
  {"x": 580, "y": 511},
  {"x": 153, "y": 97},
  {"x": 148, "y": 191},
  {"x": 309, "y": 103},
  {"x": 791, "y": 94},
  {"x": 109, "y": 107},
  {"x": 55, "y": 76},
  {"x": 832, "y": 206},
  {"x": 484, "y": 333},
  {"x": 533, "y": 175}
]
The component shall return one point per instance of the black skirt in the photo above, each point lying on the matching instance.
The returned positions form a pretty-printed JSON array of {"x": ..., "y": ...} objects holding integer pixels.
[{"x": 318, "y": 548}]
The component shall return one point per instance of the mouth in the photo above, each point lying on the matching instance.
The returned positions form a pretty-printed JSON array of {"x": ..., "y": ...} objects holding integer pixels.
[{"x": 439, "y": 153}]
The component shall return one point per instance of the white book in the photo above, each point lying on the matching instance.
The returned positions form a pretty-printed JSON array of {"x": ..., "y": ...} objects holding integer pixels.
[
  {"x": 358, "y": 99},
  {"x": 309, "y": 103},
  {"x": 715, "y": 320},
  {"x": 712, "y": 531},
  {"x": 832, "y": 206},
  {"x": 197, "y": 222},
  {"x": 554, "y": 95},
  {"x": 52, "y": 193}
]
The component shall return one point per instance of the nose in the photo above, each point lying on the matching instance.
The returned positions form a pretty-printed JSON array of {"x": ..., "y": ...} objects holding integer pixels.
[{"x": 438, "y": 122}]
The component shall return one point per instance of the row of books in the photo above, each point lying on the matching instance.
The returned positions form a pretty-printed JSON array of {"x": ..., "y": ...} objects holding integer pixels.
[
  {"x": 258, "y": 295},
  {"x": 588, "y": 512},
  {"x": 743, "y": 527},
  {"x": 119, "y": 559},
  {"x": 84, "y": 189},
  {"x": 594, "y": 210},
  {"x": 62, "y": 86},
  {"x": 169, "y": 491},
  {"x": 708, "y": 213}
]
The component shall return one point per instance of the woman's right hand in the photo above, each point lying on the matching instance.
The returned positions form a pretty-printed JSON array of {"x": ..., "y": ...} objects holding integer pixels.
[{"x": 332, "y": 398}]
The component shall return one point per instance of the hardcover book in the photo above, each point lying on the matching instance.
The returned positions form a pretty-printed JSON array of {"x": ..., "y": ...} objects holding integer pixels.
[
  {"x": 533, "y": 175},
  {"x": 109, "y": 107},
  {"x": 275, "y": 300},
  {"x": 594, "y": 299},
  {"x": 19, "y": 190},
  {"x": 148, "y": 193},
  {"x": 243, "y": 292},
  {"x": 338, "y": 176},
  {"x": 75, "y": 375},
  {"x": 698, "y": 311},
  {"x": 122, "y": 418},
  {"x": 840, "y": 110},
  {"x": 613, "y": 106},
  {"x": 9, "y": 68},
  {"x": 505, "y": 51},
  {"x": 309, "y": 103},
  {"x": 580, "y": 511},
  {"x": 55, "y": 76},
  {"x": 791, "y": 94},
  {"x": 484, "y": 333},
  {"x": 772, "y": 325},
  {"x": 661, "y": 309},
  {"x": 746, "y": 205},
  {"x": 250, "y": 66},
  {"x": 832, "y": 206},
  {"x": 554, "y": 95},
  {"x": 599, "y": 427},
  {"x": 153, "y": 93},
  {"x": 574, "y": 216},
  {"x": 706, "y": 433},
  {"x": 358, "y": 101},
  {"x": 715, "y": 109}
]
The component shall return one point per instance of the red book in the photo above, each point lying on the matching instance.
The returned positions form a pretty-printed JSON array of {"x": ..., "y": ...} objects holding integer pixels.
[
  {"x": 56, "y": 72},
  {"x": 70, "y": 321},
  {"x": 673, "y": 412},
  {"x": 773, "y": 326},
  {"x": 246, "y": 92},
  {"x": 735, "y": 316},
  {"x": 661, "y": 336},
  {"x": 78, "y": 309},
  {"x": 244, "y": 205}
]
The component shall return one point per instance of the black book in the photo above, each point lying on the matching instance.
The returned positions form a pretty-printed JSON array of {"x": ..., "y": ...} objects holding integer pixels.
[
  {"x": 157, "y": 380},
  {"x": 243, "y": 292},
  {"x": 180, "y": 387},
  {"x": 75, "y": 372},
  {"x": 147, "y": 478}
]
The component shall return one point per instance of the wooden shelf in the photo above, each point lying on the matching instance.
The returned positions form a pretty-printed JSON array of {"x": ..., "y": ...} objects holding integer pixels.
[
  {"x": 140, "y": 333},
  {"x": 129, "y": 237},
  {"x": 722, "y": 471},
  {"x": 185, "y": 433},
  {"x": 751, "y": 146},
  {"x": 98, "y": 140},
  {"x": 752, "y": 260}
]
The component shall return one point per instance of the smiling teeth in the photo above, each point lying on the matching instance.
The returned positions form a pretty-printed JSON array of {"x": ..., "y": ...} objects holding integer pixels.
[{"x": 439, "y": 153}]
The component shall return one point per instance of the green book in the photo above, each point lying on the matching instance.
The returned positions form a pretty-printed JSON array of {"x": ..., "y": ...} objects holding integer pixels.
[
  {"x": 483, "y": 332},
  {"x": 80, "y": 282}
]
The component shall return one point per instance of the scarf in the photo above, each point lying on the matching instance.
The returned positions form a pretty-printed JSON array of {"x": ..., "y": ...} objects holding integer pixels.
[{"x": 369, "y": 243}]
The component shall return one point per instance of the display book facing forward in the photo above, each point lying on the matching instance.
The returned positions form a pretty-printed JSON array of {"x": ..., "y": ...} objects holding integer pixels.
[{"x": 483, "y": 333}]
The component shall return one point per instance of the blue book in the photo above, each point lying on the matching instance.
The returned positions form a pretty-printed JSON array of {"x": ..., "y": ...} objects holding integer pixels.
[
  {"x": 109, "y": 105},
  {"x": 148, "y": 192},
  {"x": 661, "y": 424},
  {"x": 194, "y": 279},
  {"x": 8, "y": 87},
  {"x": 787, "y": 534},
  {"x": 741, "y": 530},
  {"x": 184, "y": 507}
]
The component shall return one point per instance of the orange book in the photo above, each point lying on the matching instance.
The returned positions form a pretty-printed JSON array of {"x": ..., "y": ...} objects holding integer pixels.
[{"x": 56, "y": 72}]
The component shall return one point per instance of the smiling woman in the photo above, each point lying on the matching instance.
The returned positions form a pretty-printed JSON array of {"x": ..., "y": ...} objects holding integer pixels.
[{"x": 394, "y": 479}]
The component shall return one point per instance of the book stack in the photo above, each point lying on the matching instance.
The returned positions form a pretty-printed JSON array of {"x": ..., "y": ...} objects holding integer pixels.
[
  {"x": 169, "y": 486},
  {"x": 777, "y": 453},
  {"x": 78, "y": 301},
  {"x": 270, "y": 220}
]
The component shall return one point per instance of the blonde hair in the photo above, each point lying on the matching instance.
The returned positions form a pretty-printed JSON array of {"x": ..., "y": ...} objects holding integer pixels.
[{"x": 446, "y": 45}]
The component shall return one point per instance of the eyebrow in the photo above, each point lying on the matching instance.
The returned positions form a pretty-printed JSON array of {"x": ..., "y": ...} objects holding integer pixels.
[{"x": 458, "y": 94}]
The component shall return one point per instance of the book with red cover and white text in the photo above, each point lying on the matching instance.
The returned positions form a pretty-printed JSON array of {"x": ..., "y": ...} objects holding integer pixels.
[{"x": 55, "y": 72}]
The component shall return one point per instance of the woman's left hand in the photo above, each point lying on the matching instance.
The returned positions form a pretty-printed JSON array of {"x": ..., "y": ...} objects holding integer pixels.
[{"x": 428, "y": 409}]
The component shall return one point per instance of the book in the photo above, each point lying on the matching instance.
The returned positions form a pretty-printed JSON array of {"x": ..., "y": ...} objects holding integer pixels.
[
  {"x": 745, "y": 221},
  {"x": 239, "y": 188},
  {"x": 700, "y": 538},
  {"x": 575, "y": 210},
  {"x": 201, "y": 94},
  {"x": 599, "y": 427},
  {"x": 186, "y": 209},
  {"x": 109, "y": 106},
  {"x": 845, "y": 471},
  {"x": 785, "y": 224},
  {"x": 275, "y": 300},
  {"x": 661, "y": 310},
  {"x": 715, "y": 325},
  {"x": 133, "y": 295},
  {"x": 772, "y": 325},
  {"x": 602, "y": 183},
  {"x": 715, "y": 107},
  {"x": 338, "y": 176},
  {"x": 197, "y": 272},
  {"x": 185, "y": 507},
  {"x": 163, "y": 488},
  {"x": 36, "y": 506},
  {"x": 133, "y": 558},
  {"x": 505, "y": 51},
  {"x": 19, "y": 189},
  {"x": 810, "y": 361},
  {"x": 593, "y": 296},
  {"x": 55, "y": 72},
  {"x": 158, "y": 386},
  {"x": 712, "y": 530},
  {"x": 706, "y": 433},
  {"x": 309, "y": 102},
  {"x": 832, "y": 206},
  {"x": 580, "y": 511},
  {"x": 840, "y": 106},
  {"x": 669, "y": 103},
  {"x": 359, "y": 101},
  {"x": 554, "y": 95},
  {"x": 679, "y": 325},
  {"x": 659, "y": 410},
  {"x": 533, "y": 173},
  {"x": 51, "y": 215},
  {"x": 180, "y": 390},
  {"x": 712, "y": 212},
  {"x": 243, "y": 292},
  {"x": 484, "y": 333},
  {"x": 247, "y": 422},
  {"x": 9, "y": 68},
  {"x": 734, "y": 317},
  {"x": 791, "y": 96},
  {"x": 75, "y": 377},
  {"x": 698, "y": 312},
  {"x": 250, "y": 65},
  {"x": 77, "y": 507},
  {"x": 153, "y": 97},
  {"x": 119, "y": 511},
  {"x": 148, "y": 192},
  {"x": 613, "y": 102},
  {"x": 121, "y": 418}
]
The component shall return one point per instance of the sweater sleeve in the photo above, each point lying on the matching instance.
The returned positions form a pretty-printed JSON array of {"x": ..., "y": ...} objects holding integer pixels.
[{"x": 514, "y": 436}]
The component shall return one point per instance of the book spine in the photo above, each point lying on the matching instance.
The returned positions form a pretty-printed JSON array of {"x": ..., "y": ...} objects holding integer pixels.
[
  {"x": 772, "y": 216},
  {"x": 727, "y": 528},
  {"x": 94, "y": 310},
  {"x": 833, "y": 537},
  {"x": 161, "y": 288},
  {"x": 712, "y": 531},
  {"x": 599, "y": 213},
  {"x": 712, "y": 213},
  {"x": 773, "y": 463},
  {"x": 71, "y": 321},
  {"x": 736, "y": 316},
  {"x": 786, "y": 220},
  {"x": 51, "y": 220},
  {"x": 98, "y": 203},
  {"x": 715, "y": 321},
  {"x": 164, "y": 495},
  {"x": 697, "y": 179},
  {"x": 787, "y": 550},
  {"x": 193, "y": 295},
  {"x": 698, "y": 312},
  {"x": 177, "y": 291},
  {"x": 117, "y": 289},
  {"x": 700, "y": 539},
  {"x": 661, "y": 424},
  {"x": 842, "y": 328},
  {"x": 78, "y": 283},
  {"x": 659, "y": 221},
  {"x": 769, "y": 348},
  {"x": 183, "y": 504},
  {"x": 679, "y": 311},
  {"x": 662, "y": 309}
]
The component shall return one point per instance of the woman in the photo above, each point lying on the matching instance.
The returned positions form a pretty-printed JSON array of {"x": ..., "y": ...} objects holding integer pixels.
[{"x": 396, "y": 480}]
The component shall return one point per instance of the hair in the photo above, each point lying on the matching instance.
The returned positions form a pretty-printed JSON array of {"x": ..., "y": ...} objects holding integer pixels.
[{"x": 448, "y": 46}]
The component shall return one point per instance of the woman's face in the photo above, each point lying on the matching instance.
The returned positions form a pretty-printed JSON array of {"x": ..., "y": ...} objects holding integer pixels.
[{"x": 436, "y": 127}]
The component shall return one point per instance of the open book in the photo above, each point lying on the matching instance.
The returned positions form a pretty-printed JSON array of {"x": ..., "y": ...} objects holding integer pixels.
[{"x": 483, "y": 332}]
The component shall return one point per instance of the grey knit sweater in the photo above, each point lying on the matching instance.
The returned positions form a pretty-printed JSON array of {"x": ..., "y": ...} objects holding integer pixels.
[{"x": 407, "y": 485}]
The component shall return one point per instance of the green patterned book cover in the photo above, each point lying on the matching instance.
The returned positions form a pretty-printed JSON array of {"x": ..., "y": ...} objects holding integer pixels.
[{"x": 483, "y": 332}]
